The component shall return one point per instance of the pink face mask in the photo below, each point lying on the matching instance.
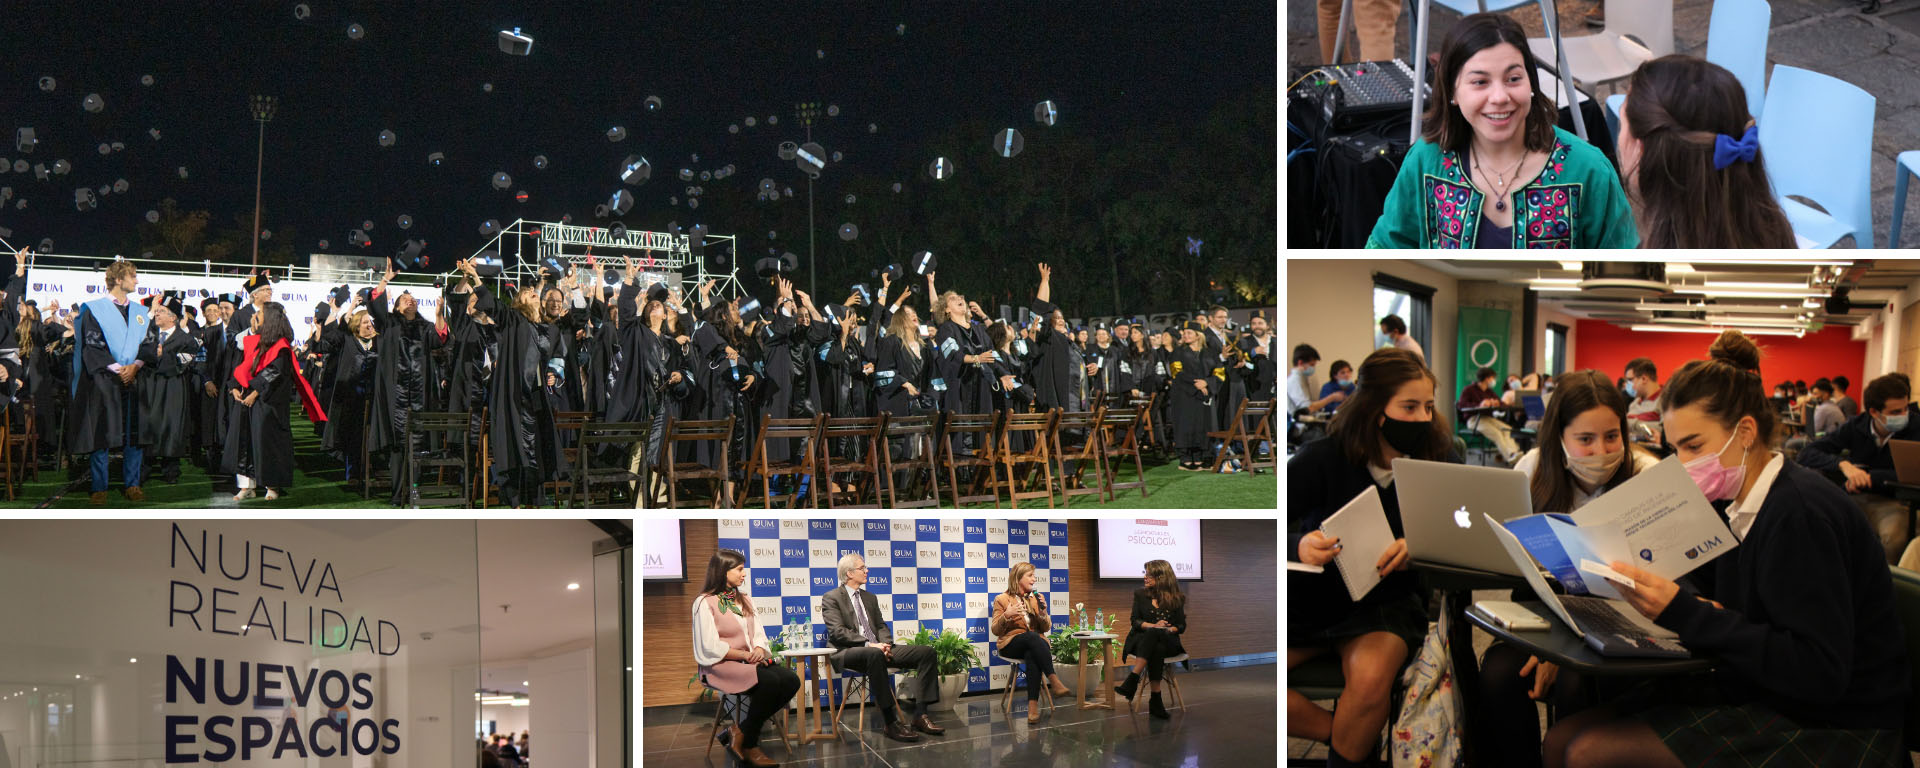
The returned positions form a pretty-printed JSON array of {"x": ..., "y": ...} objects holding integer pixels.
[{"x": 1716, "y": 481}]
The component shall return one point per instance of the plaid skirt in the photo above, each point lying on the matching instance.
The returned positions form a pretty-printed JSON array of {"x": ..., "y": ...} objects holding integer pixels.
[{"x": 1710, "y": 734}]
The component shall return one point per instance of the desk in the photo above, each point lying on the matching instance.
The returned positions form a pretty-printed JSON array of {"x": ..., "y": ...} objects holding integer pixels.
[
  {"x": 1909, "y": 493},
  {"x": 816, "y": 677},
  {"x": 1558, "y": 644},
  {"x": 1105, "y": 639}
]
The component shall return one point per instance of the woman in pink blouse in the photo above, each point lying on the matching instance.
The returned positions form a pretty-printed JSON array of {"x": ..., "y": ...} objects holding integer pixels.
[{"x": 731, "y": 650}]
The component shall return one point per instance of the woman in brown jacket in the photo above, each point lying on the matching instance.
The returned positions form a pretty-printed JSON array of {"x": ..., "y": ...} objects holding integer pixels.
[{"x": 1020, "y": 622}]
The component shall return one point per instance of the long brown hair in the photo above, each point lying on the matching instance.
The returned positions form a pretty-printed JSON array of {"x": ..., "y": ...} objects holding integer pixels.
[
  {"x": 1727, "y": 385},
  {"x": 1676, "y": 107},
  {"x": 1575, "y": 394},
  {"x": 1443, "y": 124},
  {"x": 723, "y": 560},
  {"x": 1356, "y": 426},
  {"x": 29, "y": 317},
  {"x": 907, "y": 331},
  {"x": 1166, "y": 586}
]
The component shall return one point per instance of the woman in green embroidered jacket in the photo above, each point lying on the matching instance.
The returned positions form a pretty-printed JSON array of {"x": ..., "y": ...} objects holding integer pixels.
[{"x": 1492, "y": 170}]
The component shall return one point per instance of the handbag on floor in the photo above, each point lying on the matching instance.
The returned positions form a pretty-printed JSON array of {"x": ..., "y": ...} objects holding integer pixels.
[{"x": 1426, "y": 734}]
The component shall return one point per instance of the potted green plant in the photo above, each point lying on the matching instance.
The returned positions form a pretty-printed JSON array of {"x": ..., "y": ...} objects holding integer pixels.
[{"x": 953, "y": 656}]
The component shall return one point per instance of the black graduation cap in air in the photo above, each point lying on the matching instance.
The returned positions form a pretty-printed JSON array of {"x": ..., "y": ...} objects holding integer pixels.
[
  {"x": 767, "y": 267},
  {"x": 866, "y": 295},
  {"x": 321, "y": 312},
  {"x": 408, "y": 257},
  {"x": 657, "y": 292},
  {"x": 341, "y": 294},
  {"x": 924, "y": 262}
]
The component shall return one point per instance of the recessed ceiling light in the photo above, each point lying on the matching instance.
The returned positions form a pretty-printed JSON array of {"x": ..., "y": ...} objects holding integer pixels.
[
  {"x": 1572, "y": 266},
  {"x": 133, "y": 661},
  {"x": 523, "y": 682},
  {"x": 575, "y": 585}
]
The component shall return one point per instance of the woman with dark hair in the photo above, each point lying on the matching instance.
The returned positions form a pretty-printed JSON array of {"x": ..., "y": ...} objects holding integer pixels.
[
  {"x": 1810, "y": 663},
  {"x": 1492, "y": 170},
  {"x": 404, "y": 379},
  {"x": 1159, "y": 619},
  {"x": 521, "y": 432},
  {"x": 1585, "y": 450},
  {"x": 1690, "y": 155},
  {"x": 1392, "y": 414},
  {"x": 260, "y": 438},
  {"x": 730, "y": 649},
  {"x": 1194, "y": 388},
  {"x": 348, "y": 339},
  {"x": 723, "y": 357}
]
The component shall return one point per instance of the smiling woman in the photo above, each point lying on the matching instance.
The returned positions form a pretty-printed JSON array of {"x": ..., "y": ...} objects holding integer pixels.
[{"x": 1492, "y": 170}]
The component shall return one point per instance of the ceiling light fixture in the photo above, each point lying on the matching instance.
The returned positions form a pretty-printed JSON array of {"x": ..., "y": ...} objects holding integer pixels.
[
  {"x": 1571, "y": 266},
  {"x": 1716, "y": 329},
  {"x": 573, "y": 585},
  {"x": 1742, "y": 294}
]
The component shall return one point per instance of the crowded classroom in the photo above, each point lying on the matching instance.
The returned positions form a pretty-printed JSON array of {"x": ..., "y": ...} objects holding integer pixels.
[{"x": 1602, "y": 513}]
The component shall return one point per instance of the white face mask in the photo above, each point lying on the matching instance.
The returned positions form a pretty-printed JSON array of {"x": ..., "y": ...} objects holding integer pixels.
[{"x": 1596, "y": 469}]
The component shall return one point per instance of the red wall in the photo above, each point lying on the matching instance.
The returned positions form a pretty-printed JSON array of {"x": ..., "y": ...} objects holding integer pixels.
[{"x": 1829, "y": 353}]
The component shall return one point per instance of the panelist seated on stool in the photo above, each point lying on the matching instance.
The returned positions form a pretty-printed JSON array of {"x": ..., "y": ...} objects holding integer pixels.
[
  {"x": 855, "y": 625},
  {"x": 1159, "y": 619},
  {"x": 1020, "y": 623},
  {"x": 731, "y": 649}
]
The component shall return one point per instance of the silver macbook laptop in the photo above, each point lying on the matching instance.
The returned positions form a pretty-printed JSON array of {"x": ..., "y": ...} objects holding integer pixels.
[{"x": 1440, "y": 508}]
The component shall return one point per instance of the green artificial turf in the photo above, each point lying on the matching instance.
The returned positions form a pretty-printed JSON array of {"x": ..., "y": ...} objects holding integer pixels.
[{"x": 317, "y": 483}]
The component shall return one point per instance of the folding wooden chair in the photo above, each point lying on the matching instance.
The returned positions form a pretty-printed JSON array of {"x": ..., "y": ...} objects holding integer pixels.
[
  {"x": 1086, "y": 452},
  {"x": 983, "y": 425},
  {"x": 437, "y": 442},
  {"x": 1036, "y": 426},
  {"x": 484, "y": 491},
  {"x": 568, "y": 426},
  {"x": 1237, "y": 432},
  {"x": 758, "y": 465},
  {"x": 918, "y": 433},
  {"x": 859, "y": 428},
  {"x": 19, "y": 447},
  {"x": 617, "y": 467},
  {"x": 672, "y": 472},
  {"x": 1119, "y": 437}
]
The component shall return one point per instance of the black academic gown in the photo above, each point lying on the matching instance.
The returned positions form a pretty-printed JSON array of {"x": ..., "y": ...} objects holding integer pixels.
[
  {"x": 1192, "y": 413},
  {"x": 402, "y": 379},
  {"x": 964, "y": 387},
  {"x": 524, "y": 441},
  {"x": 97, "y": 413},
  {"x": 1109, "y": 378},
  {"x": 778, "y": 392},
  {"x": 216, "y": 342},
  {"x": 351, "y": 389},
  {"x": 720, "y": 397},
  {"x": 45, "y": 380},
  {"x": 165, "y": 391},
  {"x": 895, "y": 367},
  {"x": 1052, "y": 363},
  {"x": 260, "y": 436}
]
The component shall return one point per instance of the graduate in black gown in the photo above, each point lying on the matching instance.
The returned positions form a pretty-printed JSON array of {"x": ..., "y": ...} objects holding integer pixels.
[
  {"x": 1195, "y": 386},
  {"x": 167, "y": 388},
  {"x": 105, "y": 410},
  {"x": 222, "y": 354},
  {"x": 349, "y": 339},
  {"x": 663, "y": 366},
  {"x": 961, "y": 354},
  {"x": 1103, "y": 359},
  {"x": 781, "y": 335},
  {"x": 521, "y": 434},
  {"x": 50, "y": 375},
  {"x": 403, "y": 378},
  {"x": 473, "y": 340},
  {"x": 1052, "y": 357},
  {"x": 724, "y": 372},
  {"x": 259, "y": 450}
]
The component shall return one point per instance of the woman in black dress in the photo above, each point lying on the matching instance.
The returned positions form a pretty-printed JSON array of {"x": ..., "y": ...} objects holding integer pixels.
[
  {"x": 260, "y": 438},
  {"x": 1159, "y": 620},
  {"x": 1194, "y": 389},
  {"x": 349, "y": 341}
]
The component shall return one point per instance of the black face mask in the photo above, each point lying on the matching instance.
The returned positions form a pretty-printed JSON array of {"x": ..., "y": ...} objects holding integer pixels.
[{"x": 1407, "y": 437}]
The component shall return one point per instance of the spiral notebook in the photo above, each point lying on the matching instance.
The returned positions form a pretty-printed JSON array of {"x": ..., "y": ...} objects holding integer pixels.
[{"x": 1361, "y": 526}]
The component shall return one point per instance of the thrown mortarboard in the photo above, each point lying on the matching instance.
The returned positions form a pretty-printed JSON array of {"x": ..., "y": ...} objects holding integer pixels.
[
  {"x": 1008, "y": 142},
  {"x": 341, "y": 294},
  {"x": 749, "y": 308},
  {"x": 849, "y": 232},
  {"x": 487, "y": 264},
  {"x": 408, "y": 257},
  {"x": 924, "y": 262},
  {"x": 321, "y": 312},
  {"x": 620, "y": 203},
  {"x": 553, "y": 268},
  {"x": 515, "y": 43},
  {"x": 866, "y": 294},
  {"x": 657, "y": 292},
  {"x": 766, "y": 267},
  {"x": 893, "y": 272}
]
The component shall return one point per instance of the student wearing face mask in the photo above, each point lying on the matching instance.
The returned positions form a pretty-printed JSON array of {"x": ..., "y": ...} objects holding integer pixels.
[
  {"x": 1810, "y": 659},
  {"x": 1867, "y": 465},
  {"x": 1342, "y": 382},
  {"x": 1392, "y": 414},
  {"x": 1305, "y": 360},
  {"x": 1643, "y": 385},
  {"x": 1584, "y": 452},
  {"x": 1480, "y": 395}
]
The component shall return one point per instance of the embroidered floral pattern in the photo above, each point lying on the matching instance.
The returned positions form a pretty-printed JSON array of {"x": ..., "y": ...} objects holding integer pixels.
[{"x": 1545, "y": 216}]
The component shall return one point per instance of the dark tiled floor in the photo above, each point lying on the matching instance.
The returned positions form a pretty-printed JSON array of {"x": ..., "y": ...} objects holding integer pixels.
[{"x": 1225, "y": 724}]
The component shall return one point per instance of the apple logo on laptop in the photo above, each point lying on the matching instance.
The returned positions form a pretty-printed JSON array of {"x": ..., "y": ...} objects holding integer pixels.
[{"x": 1462, "y": 518}]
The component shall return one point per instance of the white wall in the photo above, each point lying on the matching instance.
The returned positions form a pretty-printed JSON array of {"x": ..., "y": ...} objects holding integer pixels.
[
  {"x": 561, "y": 688},
  {"x": 1330, "y": 306},
  {"x": 508, "y": 719}
]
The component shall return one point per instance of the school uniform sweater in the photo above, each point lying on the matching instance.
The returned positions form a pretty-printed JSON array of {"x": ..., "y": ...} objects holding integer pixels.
[
  {"x": 1321, "y": 480},
  {"x": 1861, "y": 447},
  {"x": 1809, "y": 627}
]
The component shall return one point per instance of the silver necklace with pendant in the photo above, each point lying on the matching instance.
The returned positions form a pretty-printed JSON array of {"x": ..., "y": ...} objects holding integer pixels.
[{"x": 1500, "y": 202}]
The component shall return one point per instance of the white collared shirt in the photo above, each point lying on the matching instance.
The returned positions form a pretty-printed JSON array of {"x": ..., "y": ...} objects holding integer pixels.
[{"x": 1740, "y": 515}]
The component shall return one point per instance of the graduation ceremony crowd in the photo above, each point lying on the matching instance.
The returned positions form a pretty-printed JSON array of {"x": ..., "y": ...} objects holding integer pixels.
[{"x": 160, "y": 381}]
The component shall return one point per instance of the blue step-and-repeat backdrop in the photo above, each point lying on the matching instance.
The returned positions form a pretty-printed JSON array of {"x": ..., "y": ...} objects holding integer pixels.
[{"x": 937, "y": 574}]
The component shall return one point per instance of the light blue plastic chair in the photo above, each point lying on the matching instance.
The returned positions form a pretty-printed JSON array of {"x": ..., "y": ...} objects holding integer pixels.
[
  {"x": 1817, "y": 137},
  {"x": 1736, "y": 40},
  {"x": 1907, "y": 164}
]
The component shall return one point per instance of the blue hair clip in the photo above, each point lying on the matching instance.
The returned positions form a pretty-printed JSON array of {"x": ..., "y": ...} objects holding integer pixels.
[{"x": 1727, "y": 149}]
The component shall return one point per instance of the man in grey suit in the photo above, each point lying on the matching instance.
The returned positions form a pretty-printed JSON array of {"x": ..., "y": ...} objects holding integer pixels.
[{"x": 856, "y": 626}]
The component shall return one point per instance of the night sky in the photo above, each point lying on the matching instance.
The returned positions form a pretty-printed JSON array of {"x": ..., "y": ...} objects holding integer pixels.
[{"x": 420, "y": 68}]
